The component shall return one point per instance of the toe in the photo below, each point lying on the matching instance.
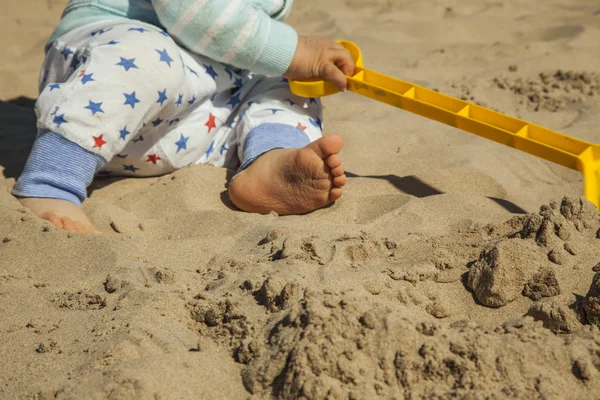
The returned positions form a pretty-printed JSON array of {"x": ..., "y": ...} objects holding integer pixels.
[
  {"x": 333, "y": 161},
  {"x": 83, "y": 227},
  {"x": 335, "y": 194},
  {"x": 326, "y": 146},
  {"x": 54, "y": 219},
  {"x": 86, "y": 228},
  {"x": 339, "y": 181},
  {"x": 69, "y": 225},
  {"x": 337, "y": 171}
]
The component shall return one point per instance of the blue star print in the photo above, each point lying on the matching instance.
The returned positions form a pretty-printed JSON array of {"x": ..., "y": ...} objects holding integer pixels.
[
  {"x": 87, "y": 78},
  {"x": 131, "y": 168},
  {"x": 113, "y": 42},
  {"x": 66, "y": 52},
  {"x": 179, "y": 100},
  {"x": 182, "y": 143},
  {"x": 229, "y": 72},
  {"x": 164, "y": 33},
  {"x": 74, "y": 61},
  {"x": 275, "y": 110},
  {"x": 192, "y": 100},
  {"x": 193, "y": 72},
  {"x": 238, "y": 82},
  {"x": 162, "y": 97},
  {"x": 101, "y": 31},
  {"x": 223, "y": 149},
  {"x": 239, "y": 119},
  {"x": 60, "y": 119},
  {"x": 164, "y": 57},
  {"x": 130, "y": 99},
  {"x": 210, "y": 71},
  {"x": 94, "y": 107},
  {"x": 54, "y": 86},
  {"x": 127, "y": 63},
  {"x": 124, "y": 132},
  {"x": 234, "y": 101},
  {"x": 141, "y": 30},
  {"x": 174, "y": 121},
  {"x": 316, "y": 123},
  {"x": 157, "y": 122},
  {"x": 211, "y": 148}
]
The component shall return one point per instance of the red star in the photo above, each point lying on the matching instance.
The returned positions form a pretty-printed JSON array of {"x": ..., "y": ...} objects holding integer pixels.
[
  {"x": 99, "y": 141},
  {"x": 82, "y": 73},
  {"x": 301, "y": 127},
  {"x": 153, "y": 158},
  {"x": 210, "y": 123}
]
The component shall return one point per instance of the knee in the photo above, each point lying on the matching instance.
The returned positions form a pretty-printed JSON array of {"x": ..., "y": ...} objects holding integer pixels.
[
  {"x": 150, "y": 59},
  {"x": 169, "y": 68}
]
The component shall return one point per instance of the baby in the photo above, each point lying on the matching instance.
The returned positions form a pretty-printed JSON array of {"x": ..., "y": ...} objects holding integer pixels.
[{"x": 144, "y": 87}]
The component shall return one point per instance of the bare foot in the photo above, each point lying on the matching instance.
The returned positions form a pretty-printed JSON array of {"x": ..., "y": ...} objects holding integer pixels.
[
  {"x": 291, "y": 181},
  {"x": 61, "y": 213}
]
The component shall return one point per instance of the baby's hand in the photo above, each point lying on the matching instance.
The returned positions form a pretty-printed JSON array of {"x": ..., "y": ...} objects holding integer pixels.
[{"x": 320, "y": 57}]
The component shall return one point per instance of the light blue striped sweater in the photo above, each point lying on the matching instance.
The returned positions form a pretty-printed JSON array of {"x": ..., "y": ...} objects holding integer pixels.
[{"x": 247, "y": 34}]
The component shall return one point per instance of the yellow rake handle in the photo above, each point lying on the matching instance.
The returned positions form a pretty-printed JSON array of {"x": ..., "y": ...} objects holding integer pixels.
[{"x": 516, "y": 133}]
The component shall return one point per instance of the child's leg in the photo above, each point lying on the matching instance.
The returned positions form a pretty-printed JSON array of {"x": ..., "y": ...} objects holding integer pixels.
[
  {"x": 100, "y": 87},
  {"x": 287, "y": 166}
]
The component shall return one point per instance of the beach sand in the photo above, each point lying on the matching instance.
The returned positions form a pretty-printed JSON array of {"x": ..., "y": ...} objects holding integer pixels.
[{"x": 452, "y": 266}]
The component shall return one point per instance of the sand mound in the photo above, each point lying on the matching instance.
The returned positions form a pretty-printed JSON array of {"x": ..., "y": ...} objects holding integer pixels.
[
  {"x": 341, "y": 345},
  {"x": 501, "y": 273},
  {"x": 553, "y": 91},
  {"x": 333, "y": 345},
  {"x": 522, "y": 263}
]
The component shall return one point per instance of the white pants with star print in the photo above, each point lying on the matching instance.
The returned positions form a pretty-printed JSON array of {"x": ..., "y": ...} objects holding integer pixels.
[{"x": 125, "y": 90}]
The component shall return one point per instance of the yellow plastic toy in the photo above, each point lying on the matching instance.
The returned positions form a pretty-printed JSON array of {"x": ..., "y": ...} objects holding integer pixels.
[{"x": 522, "y": 135}]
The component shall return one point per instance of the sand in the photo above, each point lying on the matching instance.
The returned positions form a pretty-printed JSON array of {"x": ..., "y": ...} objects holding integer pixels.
[{"x": 452, "y": 266}]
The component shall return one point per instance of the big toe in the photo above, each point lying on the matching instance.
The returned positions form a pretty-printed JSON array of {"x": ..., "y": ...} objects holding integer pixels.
[{"x": 327, "y": 146}]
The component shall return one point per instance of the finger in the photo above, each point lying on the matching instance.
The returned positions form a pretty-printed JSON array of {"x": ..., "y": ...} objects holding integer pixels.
[
  {"x": 345, "y": 62},
  {"x": 333, "y": 74}
]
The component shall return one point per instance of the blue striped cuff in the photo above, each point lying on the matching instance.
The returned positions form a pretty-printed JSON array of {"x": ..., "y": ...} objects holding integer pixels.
[
  {"x": 271, "y": 136},
  {"x": 58, "y": 169}
]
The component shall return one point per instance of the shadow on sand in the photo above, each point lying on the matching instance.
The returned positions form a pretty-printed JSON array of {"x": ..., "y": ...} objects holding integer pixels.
[{"x": 18, "y": 131}]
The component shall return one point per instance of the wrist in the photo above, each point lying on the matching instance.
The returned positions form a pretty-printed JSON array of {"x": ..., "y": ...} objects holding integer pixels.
[{"x": 293, "y": 70}]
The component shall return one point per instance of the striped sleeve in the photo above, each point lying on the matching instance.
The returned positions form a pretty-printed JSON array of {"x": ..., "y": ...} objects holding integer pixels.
[{"x": 236, "y": 32}]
